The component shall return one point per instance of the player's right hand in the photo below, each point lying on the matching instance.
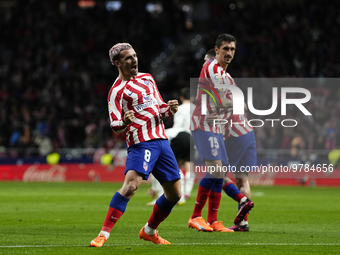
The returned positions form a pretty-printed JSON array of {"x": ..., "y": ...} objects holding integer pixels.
[
  {"x": 129, "y": 117},
  {"x": 173, "y": 105}
]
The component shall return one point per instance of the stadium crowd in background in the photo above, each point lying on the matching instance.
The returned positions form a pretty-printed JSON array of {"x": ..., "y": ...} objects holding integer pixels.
[{"x": 55, "y": 75}]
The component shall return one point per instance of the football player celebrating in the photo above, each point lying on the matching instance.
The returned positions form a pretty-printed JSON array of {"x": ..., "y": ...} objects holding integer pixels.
[{"x": 135, "y": 106}]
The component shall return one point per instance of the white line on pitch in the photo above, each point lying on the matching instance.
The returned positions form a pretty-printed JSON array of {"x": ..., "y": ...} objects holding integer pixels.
[{"x": 176, "y": 244}]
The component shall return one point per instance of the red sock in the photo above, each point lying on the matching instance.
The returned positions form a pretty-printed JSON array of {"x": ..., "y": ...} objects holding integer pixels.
[
  {"x": 157, "y": 217},
  {"x": 214, "y": 204},
  {"x": 201, "y": 199},
  {"x": 239, "y": 197},
  {"x": 112, "y": 217}
]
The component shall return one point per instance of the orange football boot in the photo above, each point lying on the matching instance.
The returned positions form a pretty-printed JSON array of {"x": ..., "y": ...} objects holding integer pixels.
[
  {"x": 218, "y": 226},
  {"x": 98, "y": 241},
  {"x": 200, "y": 224},
  {"x": 155, "y": 238}
]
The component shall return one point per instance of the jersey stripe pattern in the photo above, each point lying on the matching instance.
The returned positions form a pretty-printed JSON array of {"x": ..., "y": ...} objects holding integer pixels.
[
  {"x": 140, "y": 95},
  {"x": 237, "y": 123},
  {"x": 212, "y": 75}
]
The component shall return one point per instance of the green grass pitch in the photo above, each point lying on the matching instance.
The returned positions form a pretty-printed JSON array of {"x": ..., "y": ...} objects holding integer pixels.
[{"x": 62, "y": 218}]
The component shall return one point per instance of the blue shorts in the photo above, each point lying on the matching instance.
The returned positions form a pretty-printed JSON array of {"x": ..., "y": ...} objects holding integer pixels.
[
  {"x": 210, "y": 146},
  {"x": 242, "y": 152},
  {"x": 153, "y": 156}
]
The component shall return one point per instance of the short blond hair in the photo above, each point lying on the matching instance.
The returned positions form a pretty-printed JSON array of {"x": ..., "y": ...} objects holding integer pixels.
[{"x": 116, "y": 49}]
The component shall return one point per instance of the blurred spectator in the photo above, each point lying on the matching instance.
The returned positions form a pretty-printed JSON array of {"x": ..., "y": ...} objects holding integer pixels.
[
  {"x": 55, "y": 72},
  {"x": 44, "y": 144}
]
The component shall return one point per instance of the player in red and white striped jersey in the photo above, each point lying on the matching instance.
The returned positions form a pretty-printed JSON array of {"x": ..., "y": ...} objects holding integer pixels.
[
  {"x": 240, "y": 145},
  {"x": 209, "y": 139},
  {"x": 136, "y": 106},
  {"x": 141, "y": 96},
  {"x": 212, "y": 74},
  {"x": 241, "y": 149},
  {"x": 237, "y": 123}
]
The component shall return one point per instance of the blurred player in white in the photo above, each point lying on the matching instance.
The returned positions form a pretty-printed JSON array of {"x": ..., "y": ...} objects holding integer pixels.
[
  {"x": 183, "y": 147},
  {"x": 135, "y": 106}
]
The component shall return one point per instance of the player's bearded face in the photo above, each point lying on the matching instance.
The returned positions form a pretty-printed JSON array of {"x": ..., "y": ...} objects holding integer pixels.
[
  {"x": 226, "y": 52},
  {"x": 129, "y": 62}
]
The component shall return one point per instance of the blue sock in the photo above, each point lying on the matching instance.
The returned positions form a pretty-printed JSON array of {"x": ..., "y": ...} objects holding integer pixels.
[
  {"x": 217, "y": 187},
  {"x": 232, "y": 191},
  {"x": 207, "y": 181},
  {"x": 119, "y": 202},
  {"x": 164, "y": 204}
]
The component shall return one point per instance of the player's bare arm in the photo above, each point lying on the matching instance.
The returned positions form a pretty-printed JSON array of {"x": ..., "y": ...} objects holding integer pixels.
[
  {"x": 226, "y": 103},
  {"x": 173, "y": 106},
  {"x": 129, "y": 117}
]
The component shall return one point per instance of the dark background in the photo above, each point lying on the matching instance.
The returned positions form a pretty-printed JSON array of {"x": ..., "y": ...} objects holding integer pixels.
[{"x": 55, "y": 72}]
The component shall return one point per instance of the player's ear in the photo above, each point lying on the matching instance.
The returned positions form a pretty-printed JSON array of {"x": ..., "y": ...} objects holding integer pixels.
[
  {"x": 117, "y": 63},
  {"x": 216, "y": 50}
]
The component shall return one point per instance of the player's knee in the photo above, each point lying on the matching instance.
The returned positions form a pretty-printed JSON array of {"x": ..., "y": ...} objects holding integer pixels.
[
  {"x": 178, "y": 195},
  {"x": 174, "y": 196},
  {"x": 129, "y": 189},
  {"x": 226, "y": 180}
]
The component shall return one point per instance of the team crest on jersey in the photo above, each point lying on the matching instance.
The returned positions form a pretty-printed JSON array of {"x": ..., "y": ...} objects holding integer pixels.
[
  {"x": 217, "y": 76},
  {"x": 214, "y": 152},
  {"x": 145, "y": 166},
  {"x": 146, "y": 83}
]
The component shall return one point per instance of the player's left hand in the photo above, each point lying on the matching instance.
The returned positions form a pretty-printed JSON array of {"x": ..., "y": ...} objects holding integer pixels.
[
  {"x": 173, "y": 105},
  {"x": 210, "y": 119}
]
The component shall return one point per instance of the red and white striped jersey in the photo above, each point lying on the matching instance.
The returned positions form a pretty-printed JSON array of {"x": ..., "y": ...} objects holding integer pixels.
[
  {"x": 141, "y": 96},
  {"x": 237, "y": 123},
  {"x": 212, "y": 74}
]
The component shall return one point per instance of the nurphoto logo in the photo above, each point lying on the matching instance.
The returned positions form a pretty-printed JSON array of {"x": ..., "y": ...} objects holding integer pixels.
[{"x": 238, "y": 104}]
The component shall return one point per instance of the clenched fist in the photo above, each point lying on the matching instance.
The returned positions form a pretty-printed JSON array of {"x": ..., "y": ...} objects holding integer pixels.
[
  {"x": 173, "y": 105},
  {"x": 129, "y": 117}
]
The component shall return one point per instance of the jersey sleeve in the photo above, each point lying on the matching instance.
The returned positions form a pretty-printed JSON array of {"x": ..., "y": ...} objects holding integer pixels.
[
  {"x": 213, "y": 75},
  {"x": 163, "y": 107},
  {"x": 210, "y": 79},
  {"x": 115, "y": 111}
]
